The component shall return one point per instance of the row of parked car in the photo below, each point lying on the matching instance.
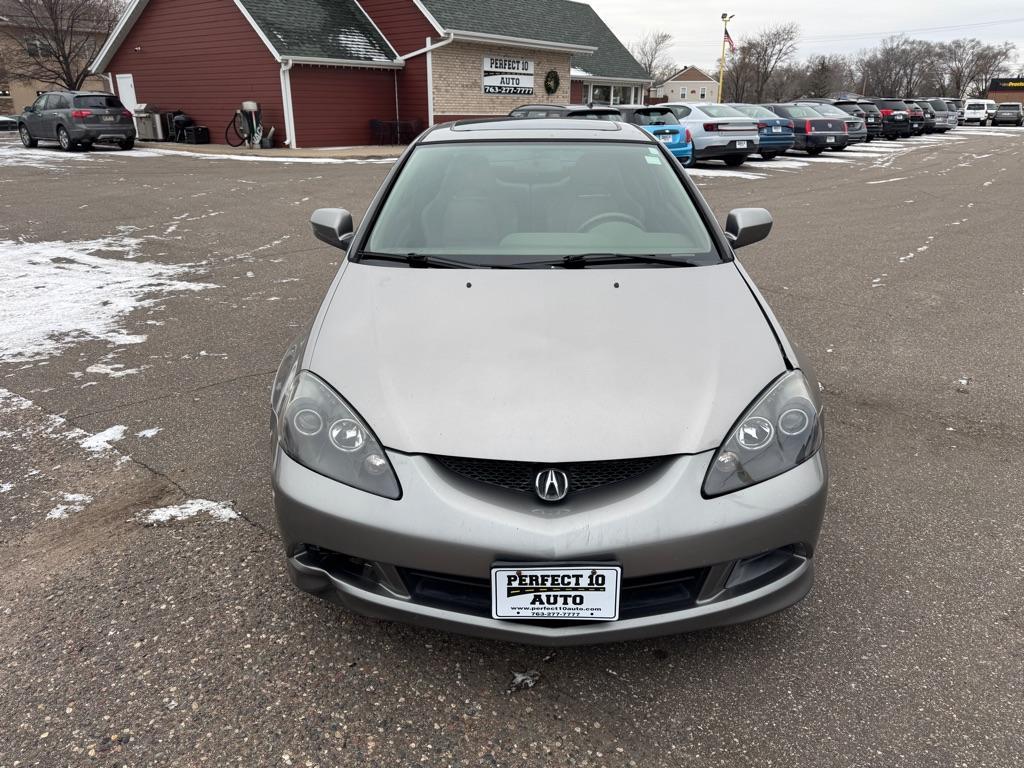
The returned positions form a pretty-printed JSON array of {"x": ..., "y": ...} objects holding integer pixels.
[{"x": 734, "y": 132}]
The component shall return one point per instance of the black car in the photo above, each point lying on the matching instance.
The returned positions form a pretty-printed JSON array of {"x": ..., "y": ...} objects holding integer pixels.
[
  {"x": 77, "y": 119},
  {"x": 895, "y": 118},
  {"x": 566, "y": 110},
  {"x": 928, "y": 114},
  {"x": 856, "y": 129},
  {"x": 867, "y": 111},
  {"x": 813, "y": 132},
  {"x": 1009, "y": 113}
]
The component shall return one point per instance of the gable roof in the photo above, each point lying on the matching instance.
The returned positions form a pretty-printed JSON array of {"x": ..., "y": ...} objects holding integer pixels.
[
  {"x": 552, "y": 21},
  {"x": 321, "y": 29},
  {"x": 693, "y": 74},
  {"x": 314, "y": 31}
]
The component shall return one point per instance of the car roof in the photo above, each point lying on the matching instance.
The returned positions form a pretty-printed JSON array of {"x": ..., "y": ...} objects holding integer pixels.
[
  {"x": 539, "y": 129},
  {"x": 79, "y": 93}
]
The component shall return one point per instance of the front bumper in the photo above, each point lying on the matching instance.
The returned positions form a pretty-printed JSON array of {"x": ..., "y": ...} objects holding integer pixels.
[{"x": 447, "y": 525}]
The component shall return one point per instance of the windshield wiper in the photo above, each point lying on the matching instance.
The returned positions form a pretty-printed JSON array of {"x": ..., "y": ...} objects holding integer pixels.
[
  {"x": 582, "y": 260},
  {"x": 421, "y": 260}
]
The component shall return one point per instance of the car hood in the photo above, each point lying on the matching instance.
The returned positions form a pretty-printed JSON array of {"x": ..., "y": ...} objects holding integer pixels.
[{"x": 546, "y": 365}]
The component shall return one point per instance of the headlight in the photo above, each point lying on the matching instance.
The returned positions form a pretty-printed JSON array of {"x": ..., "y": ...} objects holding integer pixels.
[
  {"x": 779, "y": 431},
  {"x": 320, "y": 431}
]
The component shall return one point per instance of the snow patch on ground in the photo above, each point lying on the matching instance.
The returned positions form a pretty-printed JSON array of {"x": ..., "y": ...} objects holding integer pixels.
[
  {"x": 101, "y": 441},
  {"x": 73, "y": 502},
  {"x": 53, "y": 294},
  {"x": 702, "y": 172},
  {"x": 219, "y": 511},
  {"x": 6, "y": 487},
  {"x": 886, "y": 181},
  {"x": 151, "y": 432}
]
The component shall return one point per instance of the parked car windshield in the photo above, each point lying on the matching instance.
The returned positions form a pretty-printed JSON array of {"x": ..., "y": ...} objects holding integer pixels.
[
  {"x": 1008, "y": 107},
  {"x": 720, "y": 110},
  {"x": 503, "y": 203},
  {"x": 655, "y": 117},
  {"x": 99, "y": 102},
  {"x": 939, "y": 105},
  {"x": 753, "y": 110},
  {"x": 892, "y": 104},
  {"x": 829, "y": 110},
  {"x": 800, "y": 112}
]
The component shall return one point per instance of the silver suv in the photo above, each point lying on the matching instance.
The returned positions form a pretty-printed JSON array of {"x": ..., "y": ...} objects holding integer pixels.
[{"x": 77, "y": 119}]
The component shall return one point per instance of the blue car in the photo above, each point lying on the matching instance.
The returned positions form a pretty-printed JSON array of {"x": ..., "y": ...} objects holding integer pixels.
[
  {"x": 775, "y": 134},
  {"x": 662, "y": 123}
]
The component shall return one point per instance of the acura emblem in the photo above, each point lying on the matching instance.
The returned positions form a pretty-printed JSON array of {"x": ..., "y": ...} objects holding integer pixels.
[{"x": 551, "y": 484}]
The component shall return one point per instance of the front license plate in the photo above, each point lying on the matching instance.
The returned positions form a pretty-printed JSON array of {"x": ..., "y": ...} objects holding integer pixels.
[
  {"x": 108, "y": 118},
  {"x": 741, "y": 145},
  {"x": 871, "y": 119},
  {"x": 830, "y": 139},
  {"x": 776, "y": 129},
  {"x": 578, "y": 592}
]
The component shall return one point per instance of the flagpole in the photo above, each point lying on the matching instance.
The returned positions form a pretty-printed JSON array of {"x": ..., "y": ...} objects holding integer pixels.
[{"x": 726, "y": 18}]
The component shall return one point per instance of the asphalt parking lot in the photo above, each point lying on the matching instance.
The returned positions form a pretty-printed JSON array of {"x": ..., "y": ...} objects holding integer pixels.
[{"x": 145, "y": 616}]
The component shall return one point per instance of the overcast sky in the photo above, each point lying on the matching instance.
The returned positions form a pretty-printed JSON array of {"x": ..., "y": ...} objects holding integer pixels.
[{"x": 826, "y": 27}]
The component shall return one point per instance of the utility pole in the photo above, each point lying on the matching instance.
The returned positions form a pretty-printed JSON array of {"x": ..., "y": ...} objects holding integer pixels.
[{"x": 726, "y": 18}]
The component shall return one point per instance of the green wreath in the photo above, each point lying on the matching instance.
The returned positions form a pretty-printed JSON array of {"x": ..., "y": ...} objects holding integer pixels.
[{"x": 552, "y": 82}]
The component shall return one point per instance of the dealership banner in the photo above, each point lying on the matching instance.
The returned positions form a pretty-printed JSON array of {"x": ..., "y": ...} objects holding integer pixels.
[{"x": 508, "y": 76}]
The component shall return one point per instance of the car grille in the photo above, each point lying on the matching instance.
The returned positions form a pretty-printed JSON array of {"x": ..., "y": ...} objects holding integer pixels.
[
  {"x": 521, "y": 475},
  {"x": 639, "y": 596}
]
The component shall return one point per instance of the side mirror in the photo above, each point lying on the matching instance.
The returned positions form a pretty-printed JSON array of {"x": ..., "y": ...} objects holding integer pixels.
[
  {"x": 333, "y": 226},
  {"x": 747, "y": 225},
  {"x": 29, "y": 108}
]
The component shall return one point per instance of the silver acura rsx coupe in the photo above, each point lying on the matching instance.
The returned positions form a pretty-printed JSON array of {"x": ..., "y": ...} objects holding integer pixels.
[{"x": 543, "y": 402}]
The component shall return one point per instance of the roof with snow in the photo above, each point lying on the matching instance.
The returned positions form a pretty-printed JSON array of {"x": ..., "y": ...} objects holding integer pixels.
[
  {"x": 553, "y": 21},
  {"x": 324, "y": 29},
  {"x": 331, "y": 31}
]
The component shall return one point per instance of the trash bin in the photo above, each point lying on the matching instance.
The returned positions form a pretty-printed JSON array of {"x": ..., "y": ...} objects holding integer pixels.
[{"x": 148, "y": 124}]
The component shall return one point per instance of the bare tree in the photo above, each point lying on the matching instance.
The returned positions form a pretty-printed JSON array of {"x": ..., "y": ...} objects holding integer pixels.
[
  {"x": 767, "y": 51},
  {"x": 55, "y": 41},
  {"x": 652, "y": 51},
  {"x": 995, "y": 60}
]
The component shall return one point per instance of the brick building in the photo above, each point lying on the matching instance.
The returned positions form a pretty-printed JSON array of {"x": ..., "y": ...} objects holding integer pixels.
[
  {"x": 322, "y": 70},
  {"x": 1006, "y": 89}
]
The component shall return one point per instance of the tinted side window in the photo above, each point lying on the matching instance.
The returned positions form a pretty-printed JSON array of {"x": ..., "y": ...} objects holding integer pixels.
[
  {"x": 52, "y": 101},
  {"x": 39, "y": 103},
  {"x": 98, "y": 102}
]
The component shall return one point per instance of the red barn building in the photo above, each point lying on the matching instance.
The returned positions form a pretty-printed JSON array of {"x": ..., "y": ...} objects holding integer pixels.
[{"x": 322, "y": 70}]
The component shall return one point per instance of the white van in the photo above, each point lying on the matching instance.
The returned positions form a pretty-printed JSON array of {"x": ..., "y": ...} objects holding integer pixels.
[{"x": 976, "y": 111}]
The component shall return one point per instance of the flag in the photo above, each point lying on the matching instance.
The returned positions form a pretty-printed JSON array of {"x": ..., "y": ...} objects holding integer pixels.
[{"x": 729, "y": 42}]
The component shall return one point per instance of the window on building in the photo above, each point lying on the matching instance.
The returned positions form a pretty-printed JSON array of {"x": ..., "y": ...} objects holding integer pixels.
[
  {"x": 703, "y": 93},
  {"x": 38, "y": 49},
  {"x": 622, "y": 94},
  {"x": 601, "y": 94}
]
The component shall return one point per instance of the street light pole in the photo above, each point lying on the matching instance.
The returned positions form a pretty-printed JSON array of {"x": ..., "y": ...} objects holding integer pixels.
[{"x": 726, "y": 18}]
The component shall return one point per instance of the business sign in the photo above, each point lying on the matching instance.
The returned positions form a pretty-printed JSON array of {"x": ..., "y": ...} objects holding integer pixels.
[
  {"x": 1015, "y": 84},
  {"x": 508, "y": 77}
]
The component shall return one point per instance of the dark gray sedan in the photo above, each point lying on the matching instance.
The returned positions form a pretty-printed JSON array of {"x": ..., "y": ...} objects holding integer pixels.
[{"x": 77, "y": 119}]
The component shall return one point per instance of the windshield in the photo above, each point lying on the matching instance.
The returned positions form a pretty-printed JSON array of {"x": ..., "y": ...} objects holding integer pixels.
[
  {"x": 829, "y": 110},
  {"x": 801, "y": 112},
  {"x": 504, "y": 203},
  {"x": 614, "y": 117},
  {"x": 753, "y": 110},
  {"x": 720, "y": 110},
  {"x": 655, "y": 117},
  {"x": 938, "y": 105},
  {"x": 1008, "y": 107},
  {"x": 975, "y": 106},
  {"x": 99, "y": 102}
]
